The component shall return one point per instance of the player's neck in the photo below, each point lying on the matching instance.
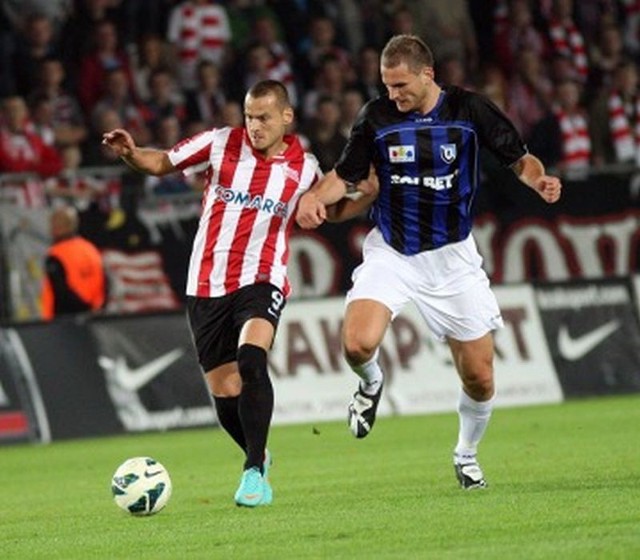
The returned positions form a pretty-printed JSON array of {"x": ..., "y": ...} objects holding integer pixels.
[
  {"x": 431, "y": 99},
  {"x": 277, "y": 149}
]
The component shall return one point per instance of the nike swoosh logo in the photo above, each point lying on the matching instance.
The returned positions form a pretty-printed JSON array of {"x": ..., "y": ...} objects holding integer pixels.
[
  {"x": 134, "y": 379},
  {"x": 148, "y": 474},
  {"x": 574, "y": 348}
]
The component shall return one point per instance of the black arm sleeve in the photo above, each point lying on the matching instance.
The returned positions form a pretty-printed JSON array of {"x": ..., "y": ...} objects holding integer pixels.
[
  {"x": 496, "y": 132},
  {"x": 65, "y": 300},
  {"x": 357, "y": 155}
]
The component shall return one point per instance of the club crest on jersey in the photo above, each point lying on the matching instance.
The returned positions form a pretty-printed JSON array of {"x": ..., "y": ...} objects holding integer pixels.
[
  {"x": 290, "y": 174},
  {"x": 448, "y": 152},
  {"x": 405, "y": 153}
]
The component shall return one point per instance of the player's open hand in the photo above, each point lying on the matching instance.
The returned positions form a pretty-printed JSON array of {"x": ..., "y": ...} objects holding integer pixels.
[
  {"x": 120, "y": 141},
  {"x": 311, "y": 212},
  {"x": 548, "y": 187}
]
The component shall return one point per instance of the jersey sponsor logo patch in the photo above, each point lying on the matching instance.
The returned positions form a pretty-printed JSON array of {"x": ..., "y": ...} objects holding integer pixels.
[
  {"x": 256, "y": 202},
  {"x": 404, "y": 153},
  {"x": 440, "y": 183},
  {"x": 448, "y": 152}
]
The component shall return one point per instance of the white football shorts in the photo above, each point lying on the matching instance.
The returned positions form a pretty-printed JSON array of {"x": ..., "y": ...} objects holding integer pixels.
[{"x": 447, "y": 285}]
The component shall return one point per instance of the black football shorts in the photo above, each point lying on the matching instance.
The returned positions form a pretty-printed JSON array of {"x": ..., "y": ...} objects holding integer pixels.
[{"x": 216, "y": 322}]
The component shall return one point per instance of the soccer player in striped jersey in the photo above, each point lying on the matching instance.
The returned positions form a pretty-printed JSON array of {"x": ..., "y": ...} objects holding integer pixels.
[
  {"x": 237, "y": 280},
  {"x": 423, "y": 141}
]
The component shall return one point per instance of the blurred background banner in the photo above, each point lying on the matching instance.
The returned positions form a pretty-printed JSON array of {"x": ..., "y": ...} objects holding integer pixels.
[
  {"x": 593, "y": 335},
  {"x": 590, "y": 234},
  {"x": 150, "y": 372},
  {"x": 81, "y": 377}
]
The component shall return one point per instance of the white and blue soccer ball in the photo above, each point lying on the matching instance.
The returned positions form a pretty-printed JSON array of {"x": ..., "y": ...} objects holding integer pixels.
[{"x": 141, "y": 486}]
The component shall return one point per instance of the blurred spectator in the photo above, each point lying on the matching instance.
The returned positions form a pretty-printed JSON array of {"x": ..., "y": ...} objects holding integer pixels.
[
  {"x": 149, "y": 54},
  {"x": 164, "y": 99},
  {"x": 95, "y": 153},
  {"x": 7, "y": 47},
  {"x": 204, "y": 104},
  {"x": 75, "y": 277},
  {"x": 232, "y": 114},
  {"x": 322, "y": 44},
  {"x": 631, "y": 28},
  {"x": 515, "y": 34},
  {"x": 44, "y": 124},
  {"x": 293, "y": 16},
  {"x": 448, "y": 27},
  {"x": 529, "y": 92},
  {"x": 330, "y": 81},
  {"x": 21, "y": 149},
  {"x": 42, "y": 119},
  {"x": 368, "y": 73},
  {"x": 453, "y": 72},
  {"x": 606, "y": 54},
  {"x": 117, "y": 97},
  {"x": 34, "y": 44},
  {"x": 105, "y": 57},
  {"x": 493, "y": 83},
  {"x": 167, "y": 133},
  {"x": 264, "y": 32},
  {"x": 56, "y": 11},
  {"x": 79, "y": 31},
  {"x": 403, "y": 22},
  {"x": 566, "y": 39},
  {"x": 615, "y": 119},
  {"x": 262, "y": 65},
  {"x": 198, "y": 29},
  {"x": 323, "y": 132},
  {"x": 142, "y": 18},
  {"x": 66, "y": 118},
  {"x": 562, "y": 139},
  {"x": 350, "y": 104},
  {"x": 350, "y": 24}
]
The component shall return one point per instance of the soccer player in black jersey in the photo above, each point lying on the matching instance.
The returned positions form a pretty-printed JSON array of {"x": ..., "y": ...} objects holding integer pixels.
[{"x": 423, "y": 141}]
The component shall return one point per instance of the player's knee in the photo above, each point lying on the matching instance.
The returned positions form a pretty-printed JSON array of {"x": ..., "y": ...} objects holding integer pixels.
[
  {"x": 480, "y": 386},
  {"x": 357, "y": 351},
  {"x": 252, "y": 363}
]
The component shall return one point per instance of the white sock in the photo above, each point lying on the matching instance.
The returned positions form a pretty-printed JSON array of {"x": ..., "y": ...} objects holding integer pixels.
[
  {"x": 474, "y": 418},
  {"x": 370, "y": 375}
]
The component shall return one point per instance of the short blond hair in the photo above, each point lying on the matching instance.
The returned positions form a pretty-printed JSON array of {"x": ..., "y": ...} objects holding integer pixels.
[{"x": 409, "y": 49}]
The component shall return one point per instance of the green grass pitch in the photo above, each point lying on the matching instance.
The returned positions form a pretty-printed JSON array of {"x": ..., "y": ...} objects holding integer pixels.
[{"x": 564, "y": 484}]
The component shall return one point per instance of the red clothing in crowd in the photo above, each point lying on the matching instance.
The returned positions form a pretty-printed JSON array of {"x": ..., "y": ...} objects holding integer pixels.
[{"x": 25, "y": 151}]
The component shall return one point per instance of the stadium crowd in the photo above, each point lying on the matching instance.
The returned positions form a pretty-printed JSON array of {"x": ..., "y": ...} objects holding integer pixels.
[{"x": 565, "y": 72}]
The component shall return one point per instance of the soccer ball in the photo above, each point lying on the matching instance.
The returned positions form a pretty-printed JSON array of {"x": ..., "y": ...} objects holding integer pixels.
[{"x": 141, "y": 486}]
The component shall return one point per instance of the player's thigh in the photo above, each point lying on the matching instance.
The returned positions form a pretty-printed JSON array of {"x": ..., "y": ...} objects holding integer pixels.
[
  {"x": 257, "y": 332},
  {"x": 257, "y": 313},
  {"x": 365, "y": 324}
]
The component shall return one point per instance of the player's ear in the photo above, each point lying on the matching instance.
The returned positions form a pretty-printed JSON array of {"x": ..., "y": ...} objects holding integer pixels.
[
  {"x": 287, "y": 116},
  {"x": 428, "y": 72}
]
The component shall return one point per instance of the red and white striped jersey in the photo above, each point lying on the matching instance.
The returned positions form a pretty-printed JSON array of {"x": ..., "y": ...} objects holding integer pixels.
[
  {"x": 248, "y": 208},
  {"x": 199, "y": 31}
]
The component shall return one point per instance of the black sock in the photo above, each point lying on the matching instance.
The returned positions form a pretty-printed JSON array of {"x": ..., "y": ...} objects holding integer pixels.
[
  {"x": 227, "y": 409},
  {"x": 255, "y": 404}
]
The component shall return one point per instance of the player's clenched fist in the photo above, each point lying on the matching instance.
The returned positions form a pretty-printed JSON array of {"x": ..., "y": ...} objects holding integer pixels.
[
  {"x": 120, "y": 141},
  {"x": 548, "y": 187},
  {"x": 311, "y": 211}
]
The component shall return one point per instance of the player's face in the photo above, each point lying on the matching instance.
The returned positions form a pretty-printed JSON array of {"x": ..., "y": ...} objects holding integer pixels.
[
  {"x": 266, "y": 121},
  {"x": 408, "y": 89}
]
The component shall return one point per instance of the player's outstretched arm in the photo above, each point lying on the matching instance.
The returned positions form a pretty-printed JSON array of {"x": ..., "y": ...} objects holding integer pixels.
[
  {"x": 144, "y": 160},
  {"x": 531, "y": 172}
]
